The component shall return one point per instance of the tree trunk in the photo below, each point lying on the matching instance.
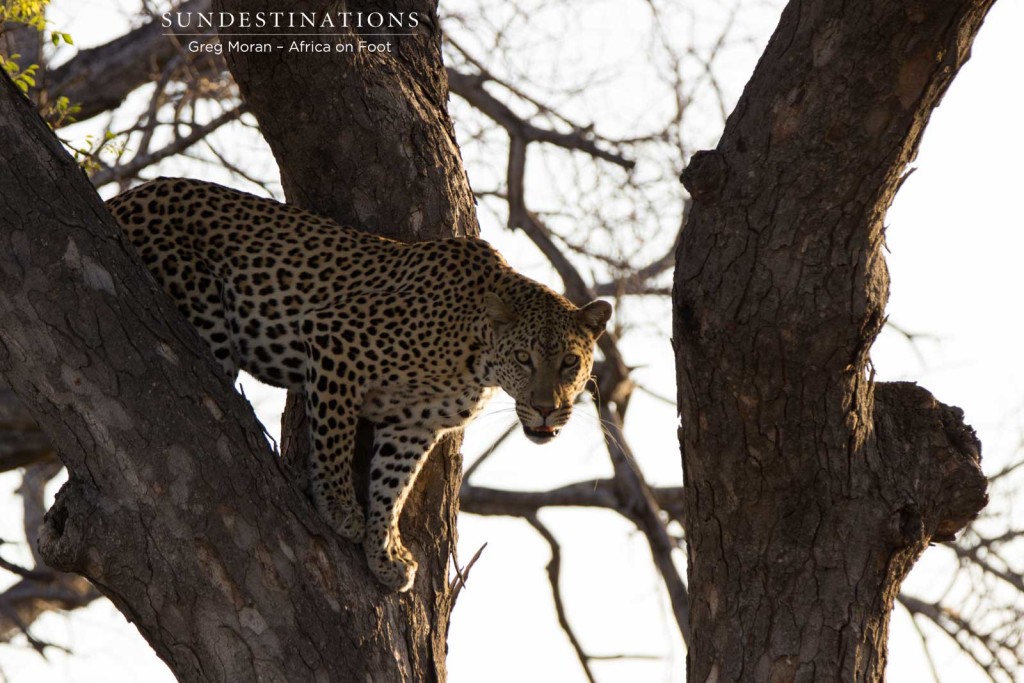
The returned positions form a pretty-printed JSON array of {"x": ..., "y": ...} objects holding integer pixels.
[
  {"x": 175, "y": 508},
  {"x": 811, "y": 490},
  {"x": 375, "y": 149}
]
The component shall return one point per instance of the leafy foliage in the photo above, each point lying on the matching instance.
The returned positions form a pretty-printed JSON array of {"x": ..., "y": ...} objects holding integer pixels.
[{"x": 31, "y": 13}]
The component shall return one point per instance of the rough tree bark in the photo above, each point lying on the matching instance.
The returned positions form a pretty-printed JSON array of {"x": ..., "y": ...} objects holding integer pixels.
[
  {"x": 175, "y": 507},
  {"x": 810, "y": 489}
]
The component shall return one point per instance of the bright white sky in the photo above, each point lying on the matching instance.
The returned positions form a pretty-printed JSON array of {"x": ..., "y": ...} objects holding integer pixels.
[{"x": 956, "y": 237}]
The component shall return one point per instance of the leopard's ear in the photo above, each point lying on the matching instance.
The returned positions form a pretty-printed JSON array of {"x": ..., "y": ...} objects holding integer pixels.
[
  {"x": 595, "y": 316},
  {"x": 497, "y": 311}
]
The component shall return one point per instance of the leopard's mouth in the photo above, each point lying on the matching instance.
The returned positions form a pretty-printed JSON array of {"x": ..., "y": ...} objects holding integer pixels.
[{"x": 541, "y": 434}]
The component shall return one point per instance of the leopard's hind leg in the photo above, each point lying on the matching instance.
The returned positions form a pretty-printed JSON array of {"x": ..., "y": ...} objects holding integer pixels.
[
  {"x": 398, "y": 456},
  {"x": 332, "y": 408}
]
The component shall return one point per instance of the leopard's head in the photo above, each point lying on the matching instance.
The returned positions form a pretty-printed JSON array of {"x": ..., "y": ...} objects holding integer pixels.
[{"x": 544, "y": 352}]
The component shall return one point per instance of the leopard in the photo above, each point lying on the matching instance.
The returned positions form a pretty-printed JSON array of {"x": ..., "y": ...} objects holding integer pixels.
[{"x": 414, "y": 337}]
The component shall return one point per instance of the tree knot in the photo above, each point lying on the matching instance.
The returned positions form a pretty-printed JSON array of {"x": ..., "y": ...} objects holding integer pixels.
[
  {"x": 705, "y": 175},
  {"x": 61, "y": 541},
  {"x": 935, "y": 457}
]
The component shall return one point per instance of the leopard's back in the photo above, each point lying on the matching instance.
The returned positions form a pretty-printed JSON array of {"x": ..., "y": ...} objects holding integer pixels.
[{"x": 245, "y": 271}]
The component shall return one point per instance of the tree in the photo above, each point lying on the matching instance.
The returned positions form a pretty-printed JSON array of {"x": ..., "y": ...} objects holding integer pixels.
[
  {"x": 415, "y": 79},
  {"x": 811, "y": 490}
]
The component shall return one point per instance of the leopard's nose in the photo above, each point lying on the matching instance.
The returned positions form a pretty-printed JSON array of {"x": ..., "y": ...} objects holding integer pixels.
[{"x": 544, "y": 411}]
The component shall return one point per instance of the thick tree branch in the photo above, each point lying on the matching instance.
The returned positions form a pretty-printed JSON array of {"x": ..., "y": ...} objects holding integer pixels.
[{"x": 810, "y": 488}]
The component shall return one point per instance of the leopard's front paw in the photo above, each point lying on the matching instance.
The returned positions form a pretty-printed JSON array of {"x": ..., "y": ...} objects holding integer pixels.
[
  {"x": 393, "y": 566},
  {"x": 346, "y": 519},
  {"x": 350, "y": 524}
]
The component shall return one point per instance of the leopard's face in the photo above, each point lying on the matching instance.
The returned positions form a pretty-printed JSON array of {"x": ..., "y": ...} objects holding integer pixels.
[{"x": 544, "y": 358}]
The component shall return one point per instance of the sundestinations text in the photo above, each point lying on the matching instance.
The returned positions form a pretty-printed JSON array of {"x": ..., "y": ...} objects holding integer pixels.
[{"x": 290, "y": 20}]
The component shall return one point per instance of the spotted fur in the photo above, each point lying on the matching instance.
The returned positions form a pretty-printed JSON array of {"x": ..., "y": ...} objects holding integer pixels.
[{"x": 413, "y": 337}]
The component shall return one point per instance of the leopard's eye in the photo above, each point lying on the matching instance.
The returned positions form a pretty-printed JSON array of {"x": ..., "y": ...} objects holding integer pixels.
[
  {"x": 570, "y": 361},
  {"x": 523, "y": 358}
]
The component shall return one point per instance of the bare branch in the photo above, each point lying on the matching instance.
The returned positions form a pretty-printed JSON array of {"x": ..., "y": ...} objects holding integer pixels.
[
  {"x": 30, "y": 598},
  {"x": 35, "y": 643},
  {"x": 22, "y": 571},
  {"x": 1006, "y": 471},
  {"x": 462, "y": 575},
  {"x": 1014, "y": 579},
  {"x": 471, "y": 89},
  {"x": 993, "y": 643},
  {"x": 471, "y": 470},
  {"x": 636, "y": 496},
  {"x": 927, "y": 649},
  {"x": 600, "y": 493},
  {"x": 554, "y": 578},
  {"x": 235, "y": 169},
  {"x": 636, "y": 279},
  {"x": 176, "y": 146}
]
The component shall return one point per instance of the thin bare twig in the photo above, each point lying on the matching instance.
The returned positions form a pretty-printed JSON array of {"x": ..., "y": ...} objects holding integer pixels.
[
  {"x": 23, "y": 572},
  {"x": 554, "y": 578},
  {"x": 471, "y": 470},
  {"x": 177, "y": 146},
  {"x": 927, "y": 649},
  {"x": 967, "y": 634},
  {"x": 462, "y": 575}
]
